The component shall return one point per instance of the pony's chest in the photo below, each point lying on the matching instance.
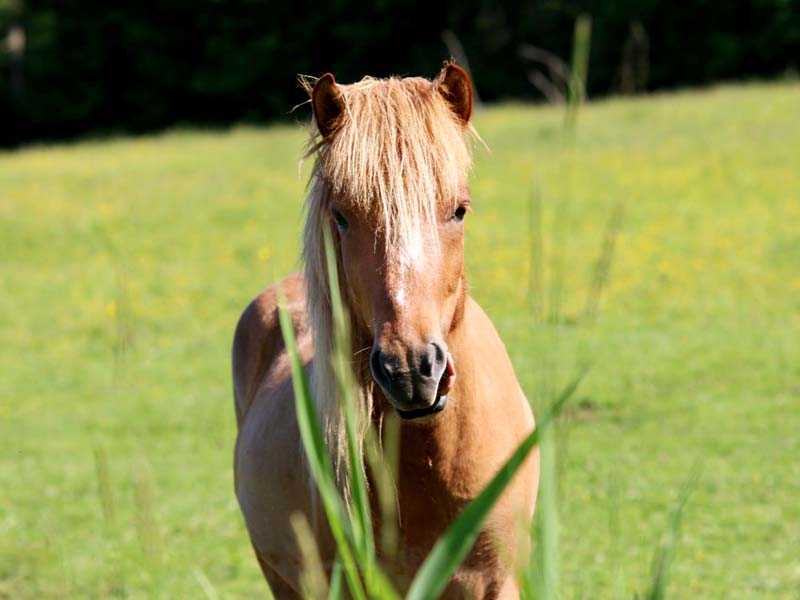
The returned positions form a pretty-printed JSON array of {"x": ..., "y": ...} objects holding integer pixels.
[
  {"x": 483, "y": 570},
  {"x": 429, "y": 500}
]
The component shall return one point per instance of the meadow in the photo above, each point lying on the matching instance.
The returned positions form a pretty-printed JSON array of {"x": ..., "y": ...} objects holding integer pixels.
[{"x": 124, "y": 264}]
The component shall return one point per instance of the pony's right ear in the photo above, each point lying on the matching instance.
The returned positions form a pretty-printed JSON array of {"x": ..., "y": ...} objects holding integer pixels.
[
  {"x": 455, "y": 86},
  {"x": 327, "y": 103}
]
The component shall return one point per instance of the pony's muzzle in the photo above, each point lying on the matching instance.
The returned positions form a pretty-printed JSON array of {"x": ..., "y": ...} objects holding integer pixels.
[{"x": 411, "y": 379}]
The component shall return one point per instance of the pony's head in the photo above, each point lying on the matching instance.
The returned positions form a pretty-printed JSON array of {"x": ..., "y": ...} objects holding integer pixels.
[{"x": 390, "y": 182}]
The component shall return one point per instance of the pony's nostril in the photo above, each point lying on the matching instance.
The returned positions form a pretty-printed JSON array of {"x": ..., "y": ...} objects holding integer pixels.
[
  {"x": 387, "y": 367},
  {"x": 441, "y": 353},
  {"x": 426, "y": 361},
  {"x": 382, "y": 367},
  {"x": 432, "y": 362},
  {"x": 377, "y": 365}
]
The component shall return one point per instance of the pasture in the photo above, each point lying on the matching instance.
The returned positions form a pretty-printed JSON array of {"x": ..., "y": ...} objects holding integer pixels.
[{"x": 126, "y": 262}]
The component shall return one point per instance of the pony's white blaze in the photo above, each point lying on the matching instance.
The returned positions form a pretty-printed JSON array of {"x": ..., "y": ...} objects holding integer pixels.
[
  {"x": 411, "y": 252},
  {"x": 400, "y": 297},
  {"x": 411, "y": 262},
  {"x": 409, "y": 256}
]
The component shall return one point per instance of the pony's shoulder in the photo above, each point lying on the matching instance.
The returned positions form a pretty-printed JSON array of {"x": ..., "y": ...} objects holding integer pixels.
[
  {"x": 291, "y": 291},
  {"x": 481, "y": 333},
  {"x": 257, "y": 340}
]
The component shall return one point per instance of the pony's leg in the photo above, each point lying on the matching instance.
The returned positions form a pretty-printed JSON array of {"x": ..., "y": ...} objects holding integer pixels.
[{"x": 280, "y": 589}]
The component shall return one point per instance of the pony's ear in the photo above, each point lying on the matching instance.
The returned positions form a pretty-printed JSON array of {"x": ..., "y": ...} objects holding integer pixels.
[
  {"x": 327, "y": 103},
  {"x": 454, "y": 84}
]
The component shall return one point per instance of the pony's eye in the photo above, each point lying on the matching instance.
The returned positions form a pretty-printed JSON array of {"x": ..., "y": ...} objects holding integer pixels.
[
  {"x": 460, "y": 212},
  {"x": 341, "y": 222}
]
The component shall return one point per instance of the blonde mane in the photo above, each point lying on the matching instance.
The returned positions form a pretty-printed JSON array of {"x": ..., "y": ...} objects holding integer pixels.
[{"x": 400, "y": 155}]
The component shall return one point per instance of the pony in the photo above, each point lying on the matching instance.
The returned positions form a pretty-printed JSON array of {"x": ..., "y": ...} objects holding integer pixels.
[{"x": 389, "y": 182}]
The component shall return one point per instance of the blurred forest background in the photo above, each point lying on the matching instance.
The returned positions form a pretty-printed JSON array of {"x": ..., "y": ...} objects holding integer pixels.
[{"x": 71, "y": 67}]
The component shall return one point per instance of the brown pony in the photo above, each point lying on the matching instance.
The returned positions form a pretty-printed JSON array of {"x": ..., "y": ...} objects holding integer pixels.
[{"x": 390, "y": 183}]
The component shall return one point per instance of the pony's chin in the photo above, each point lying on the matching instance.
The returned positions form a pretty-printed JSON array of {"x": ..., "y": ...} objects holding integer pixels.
[{"x": 420, "y": 413}]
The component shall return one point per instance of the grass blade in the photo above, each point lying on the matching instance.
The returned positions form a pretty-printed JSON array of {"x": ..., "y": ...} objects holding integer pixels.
[
  {"x": 104, "y": 487},
  {"x": 363, "y": 519},
  {"x": 145, "y": 502},
  {"x": 318, "y": 459},
  {"x": 376, "y": 582},
  {"x": 335, "y": 590},
  {"x": 312, "y": 579},
  {"x": 665, "y": 555},
  {"x": 205, "y": 584},
  {"x": 455, "y": 544},
  {"x": 546, "y": 574},
  {"x": 382, "y": 458},
  {"x": 602, "y": 267},
  {"x": 579, "y": 69},
  {"x": 536, "y": 253}
]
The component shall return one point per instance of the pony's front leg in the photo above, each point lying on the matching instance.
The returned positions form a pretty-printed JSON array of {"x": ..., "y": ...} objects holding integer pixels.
[{"x": 280, "y": 588}]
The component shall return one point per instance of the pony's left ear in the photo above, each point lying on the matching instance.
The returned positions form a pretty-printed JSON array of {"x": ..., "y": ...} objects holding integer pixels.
[
  {"x": 327, "y": 103},
  {"x": 454, "y": 84}
]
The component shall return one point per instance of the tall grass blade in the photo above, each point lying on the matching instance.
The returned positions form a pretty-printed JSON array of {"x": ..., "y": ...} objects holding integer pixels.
[
  {"x": 318, "y": 459},
  {"x": 121, "y": 314},
  {"x": 665, "y": 555},
  {"x": 454, "y": 545},
  {"x": 546, "y": 558},
  {"x": 582, "y": 40},
  {"x": 536, "y": 252},
  {"x": 104, "y": 488},
  {"x": 602, "y": 268},
  {"x": 312, "y": 579},
  {"x": 205, "y": 584},
  {"x": 144, "y": 505},
  {"x": 383, "y": 463},
  {"x": 335, "y": 590},
  {"x": 376, "y": 582},
  {"x": 362, "y": 524}
]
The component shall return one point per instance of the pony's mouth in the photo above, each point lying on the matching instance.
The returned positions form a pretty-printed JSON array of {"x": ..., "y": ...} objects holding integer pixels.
[
  {"x": 445, "y": 385},
  {"x": 418, "y": 413}
]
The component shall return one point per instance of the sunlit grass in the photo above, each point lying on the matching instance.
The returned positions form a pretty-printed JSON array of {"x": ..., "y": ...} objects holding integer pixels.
[{"x": 125, "y": 264}]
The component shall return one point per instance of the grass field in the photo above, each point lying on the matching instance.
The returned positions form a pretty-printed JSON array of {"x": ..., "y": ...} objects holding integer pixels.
[{"x": 124, "y": 265}]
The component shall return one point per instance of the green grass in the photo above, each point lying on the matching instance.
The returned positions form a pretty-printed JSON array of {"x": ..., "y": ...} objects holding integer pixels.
[{"x": 124, "y": 265}]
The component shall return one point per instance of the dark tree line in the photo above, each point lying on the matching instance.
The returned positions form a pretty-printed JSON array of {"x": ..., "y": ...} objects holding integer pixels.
[{"x": 68, "y": 67}]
